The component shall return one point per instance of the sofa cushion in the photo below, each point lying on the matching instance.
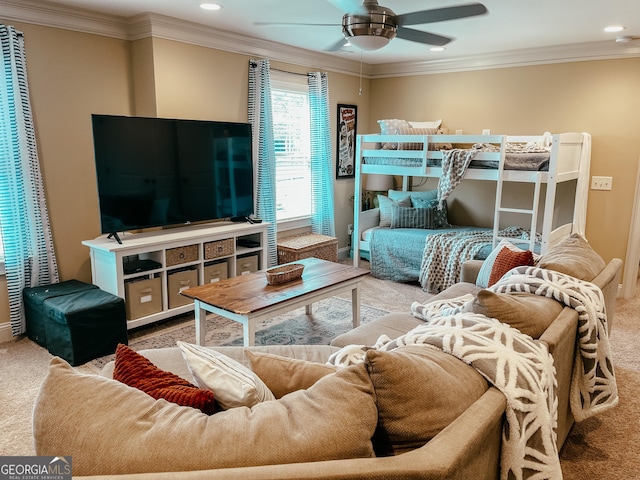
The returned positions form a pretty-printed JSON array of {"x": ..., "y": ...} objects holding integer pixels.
[
  {"x": 109, "y": 428},
  {"x": 573, "y": 256},
  {"x": 134, "y": 370},
  {"x": 392, "y": 325},
  {"x": 284, "y": 375},
  {"x": 234, "y": 384},
  {"x": 529, "y": 313},
  {"x": 502, "y": 261},
  {"x": 419, "y": 391}
]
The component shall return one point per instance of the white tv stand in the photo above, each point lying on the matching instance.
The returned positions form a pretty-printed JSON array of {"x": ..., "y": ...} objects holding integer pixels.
[{"x": 228, "y": 242}]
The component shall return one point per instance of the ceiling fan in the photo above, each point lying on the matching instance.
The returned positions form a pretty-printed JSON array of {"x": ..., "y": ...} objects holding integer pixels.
[{"x": 369, "y": 26}]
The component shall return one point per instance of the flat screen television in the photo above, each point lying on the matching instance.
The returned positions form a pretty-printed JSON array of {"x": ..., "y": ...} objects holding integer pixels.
[{"x": 157, "y": 172}]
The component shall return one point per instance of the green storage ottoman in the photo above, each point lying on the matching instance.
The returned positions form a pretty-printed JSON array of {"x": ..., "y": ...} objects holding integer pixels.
[
  {"x": 35, "y": 309},
  {"x": 85, "y": 325}
]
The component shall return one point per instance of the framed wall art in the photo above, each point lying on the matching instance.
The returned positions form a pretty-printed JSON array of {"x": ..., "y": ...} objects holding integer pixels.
[{"x": 346, "y": 141}]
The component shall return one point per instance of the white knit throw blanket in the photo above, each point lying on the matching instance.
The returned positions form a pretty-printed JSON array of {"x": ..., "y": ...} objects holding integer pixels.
[{"x": 520, "y": 366}]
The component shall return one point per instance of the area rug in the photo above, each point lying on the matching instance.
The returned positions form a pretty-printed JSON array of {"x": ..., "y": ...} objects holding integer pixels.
[{"x": 330, "y": 318}]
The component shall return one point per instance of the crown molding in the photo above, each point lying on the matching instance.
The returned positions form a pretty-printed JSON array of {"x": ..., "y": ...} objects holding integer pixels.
[
  {"x": 59, "y": 16},
  {"x": 153, "y": 25},
  {"x": 514, "y": 58},
  {"x": 169, "y": 28}
]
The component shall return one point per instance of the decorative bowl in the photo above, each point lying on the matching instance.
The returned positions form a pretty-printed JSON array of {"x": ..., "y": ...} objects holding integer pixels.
[{"x": 284, "y": 273}]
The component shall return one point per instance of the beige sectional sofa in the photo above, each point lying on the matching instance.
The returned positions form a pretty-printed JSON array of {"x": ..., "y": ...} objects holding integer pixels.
[{"x": 403, "y": 414}]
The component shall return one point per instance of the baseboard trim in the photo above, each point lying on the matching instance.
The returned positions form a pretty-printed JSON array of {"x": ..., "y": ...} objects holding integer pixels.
[{"x": 5, "y": 333}]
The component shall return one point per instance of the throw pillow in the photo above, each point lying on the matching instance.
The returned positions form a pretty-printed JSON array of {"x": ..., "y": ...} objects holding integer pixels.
[
  {"x": 385, "y": 208},
  {"x": 409, "y": 217},
  {"x": 235, "y": 385},
  {"x": 390, "y": 127},
  {"x": 440, "y": 219},
  {"x": 413, "y": 195},
  {"x": 284, "y": 375},
  {"x": 419, "y": 391},
  {"x": 76, "y": 414},
  {"x": 414, "y": 131},
  {"x": 486, "y": 269},
  {"x": 529, "y": 313},
  {"x": 136, "y": 371},
  {"x": 506, "y": 260},
  {"x": 573, "y": 256},
  {"x": 433, "y": 124}
]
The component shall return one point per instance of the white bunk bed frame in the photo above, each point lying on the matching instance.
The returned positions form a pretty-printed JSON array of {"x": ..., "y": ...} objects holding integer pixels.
[{"x": 567, "y": 162}]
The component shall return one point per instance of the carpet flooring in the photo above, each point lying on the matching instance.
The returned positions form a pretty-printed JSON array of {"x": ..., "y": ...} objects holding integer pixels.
[{"x": 600, "y": 448}]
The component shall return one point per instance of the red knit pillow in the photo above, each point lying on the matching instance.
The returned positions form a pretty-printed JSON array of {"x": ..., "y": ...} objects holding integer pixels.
[
  {"x": 137, "y": 371},
  {"x": 508, "y": 259}
]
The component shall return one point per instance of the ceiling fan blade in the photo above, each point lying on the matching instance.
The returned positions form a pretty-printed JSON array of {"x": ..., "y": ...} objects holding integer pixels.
[
  {"x": 422, "y": 37},
  {"x": 290, "y": 24},
  {"x": 354, "y": 7},
  {"x": 337, "y": 46},
  {"x": 442, "y": 14}
]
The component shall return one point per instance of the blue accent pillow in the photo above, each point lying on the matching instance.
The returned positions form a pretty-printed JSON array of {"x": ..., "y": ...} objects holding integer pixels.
[
  {"x": 409, "y": 217},
  {"x": 440, "y": 215}
]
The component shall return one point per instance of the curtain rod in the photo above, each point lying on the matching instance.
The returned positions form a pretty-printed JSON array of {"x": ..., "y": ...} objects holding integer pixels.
[{"x": 254, "y": 64}]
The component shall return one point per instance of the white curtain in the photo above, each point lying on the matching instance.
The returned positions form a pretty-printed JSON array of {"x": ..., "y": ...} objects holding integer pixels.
[
  {"x": 261, "y": 119},
  {"x": 26, "y": 234},
  {"x": 322, "y": 195}
]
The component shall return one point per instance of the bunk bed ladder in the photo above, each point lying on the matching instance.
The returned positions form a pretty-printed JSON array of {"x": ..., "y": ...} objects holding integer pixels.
[{"x": 499, "y": 208}]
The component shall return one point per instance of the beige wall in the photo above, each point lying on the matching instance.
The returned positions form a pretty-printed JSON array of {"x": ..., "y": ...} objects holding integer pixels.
[
  {"x": 599, "y": 97},
  {"x": 72, "y": 75}
]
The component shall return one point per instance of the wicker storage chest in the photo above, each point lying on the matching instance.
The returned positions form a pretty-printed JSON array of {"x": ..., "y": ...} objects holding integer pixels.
[{"x": 307, "y": 245}]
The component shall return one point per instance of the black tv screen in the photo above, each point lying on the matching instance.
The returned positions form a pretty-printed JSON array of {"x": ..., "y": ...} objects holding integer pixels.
[{"x": 155, "y": 171}]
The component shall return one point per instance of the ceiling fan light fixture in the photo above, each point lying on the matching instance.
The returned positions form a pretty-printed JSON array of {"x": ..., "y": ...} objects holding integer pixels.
[{"x": 373, "y": 31}]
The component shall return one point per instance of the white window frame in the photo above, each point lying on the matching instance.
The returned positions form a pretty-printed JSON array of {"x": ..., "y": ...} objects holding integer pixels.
[{"x": 295, "y": 83}]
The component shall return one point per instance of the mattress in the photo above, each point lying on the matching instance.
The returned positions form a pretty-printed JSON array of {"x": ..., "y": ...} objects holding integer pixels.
[{"x": 512, "y": 161}]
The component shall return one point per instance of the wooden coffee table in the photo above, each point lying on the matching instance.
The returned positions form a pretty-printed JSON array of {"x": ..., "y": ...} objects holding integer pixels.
[{"x": 249, "y": 298}]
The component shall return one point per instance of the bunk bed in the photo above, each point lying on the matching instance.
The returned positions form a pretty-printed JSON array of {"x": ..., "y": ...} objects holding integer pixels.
[{"x": 544, "y": 160}]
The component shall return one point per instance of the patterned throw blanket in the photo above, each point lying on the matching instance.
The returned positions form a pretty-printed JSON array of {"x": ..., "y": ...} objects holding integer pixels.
[
  {"x": 520, "y": 366},
  {"x": 454, "y": 166},
  {"x": 444, "y": 254}
]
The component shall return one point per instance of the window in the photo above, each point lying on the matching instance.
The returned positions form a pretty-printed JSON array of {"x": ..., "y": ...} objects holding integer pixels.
[{"x": 291, "y": 132}]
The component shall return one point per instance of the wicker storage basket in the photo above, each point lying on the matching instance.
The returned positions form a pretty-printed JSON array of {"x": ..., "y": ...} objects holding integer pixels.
[
  {"x": 284, "y": 273},
  {"x": 180, "y": 255},
  {"x": 297, "y": 247},
  {"x": 219, "y": 248}
]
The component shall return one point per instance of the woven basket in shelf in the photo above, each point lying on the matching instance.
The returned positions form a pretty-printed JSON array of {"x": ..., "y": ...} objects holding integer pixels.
[{"x": 284, "y": 273}]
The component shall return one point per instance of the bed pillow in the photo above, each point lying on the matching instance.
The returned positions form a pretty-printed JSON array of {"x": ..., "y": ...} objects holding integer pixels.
[
  {"x": 284, "y": 375},
  {"x": 390, "y": 127},
  {"x": 434, "y": 124},
  {"x": 385, "y": 208},
  {"x": 529, "y": 313},
  {"x": 409, "y": 217},
  {"x": 440, "y": 219},
  {"x": 414, "y": 131},
  {"x": 139, "y": 372},
  {"x": 77, "y": 414},
  {"x": 398, "y": 195},
  {"x": 573, "y": 256},
  {"x": 234, "y": 384},
  {"x": 510, "y": 258},
  {"x": 419, "y": 391}
]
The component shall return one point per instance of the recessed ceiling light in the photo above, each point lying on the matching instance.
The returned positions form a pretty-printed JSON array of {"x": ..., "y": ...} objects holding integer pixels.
[
  {"x": 437, "y": 49},
  {"x": 614, "y": 28},
  {"x": 210, "y": 6}
]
